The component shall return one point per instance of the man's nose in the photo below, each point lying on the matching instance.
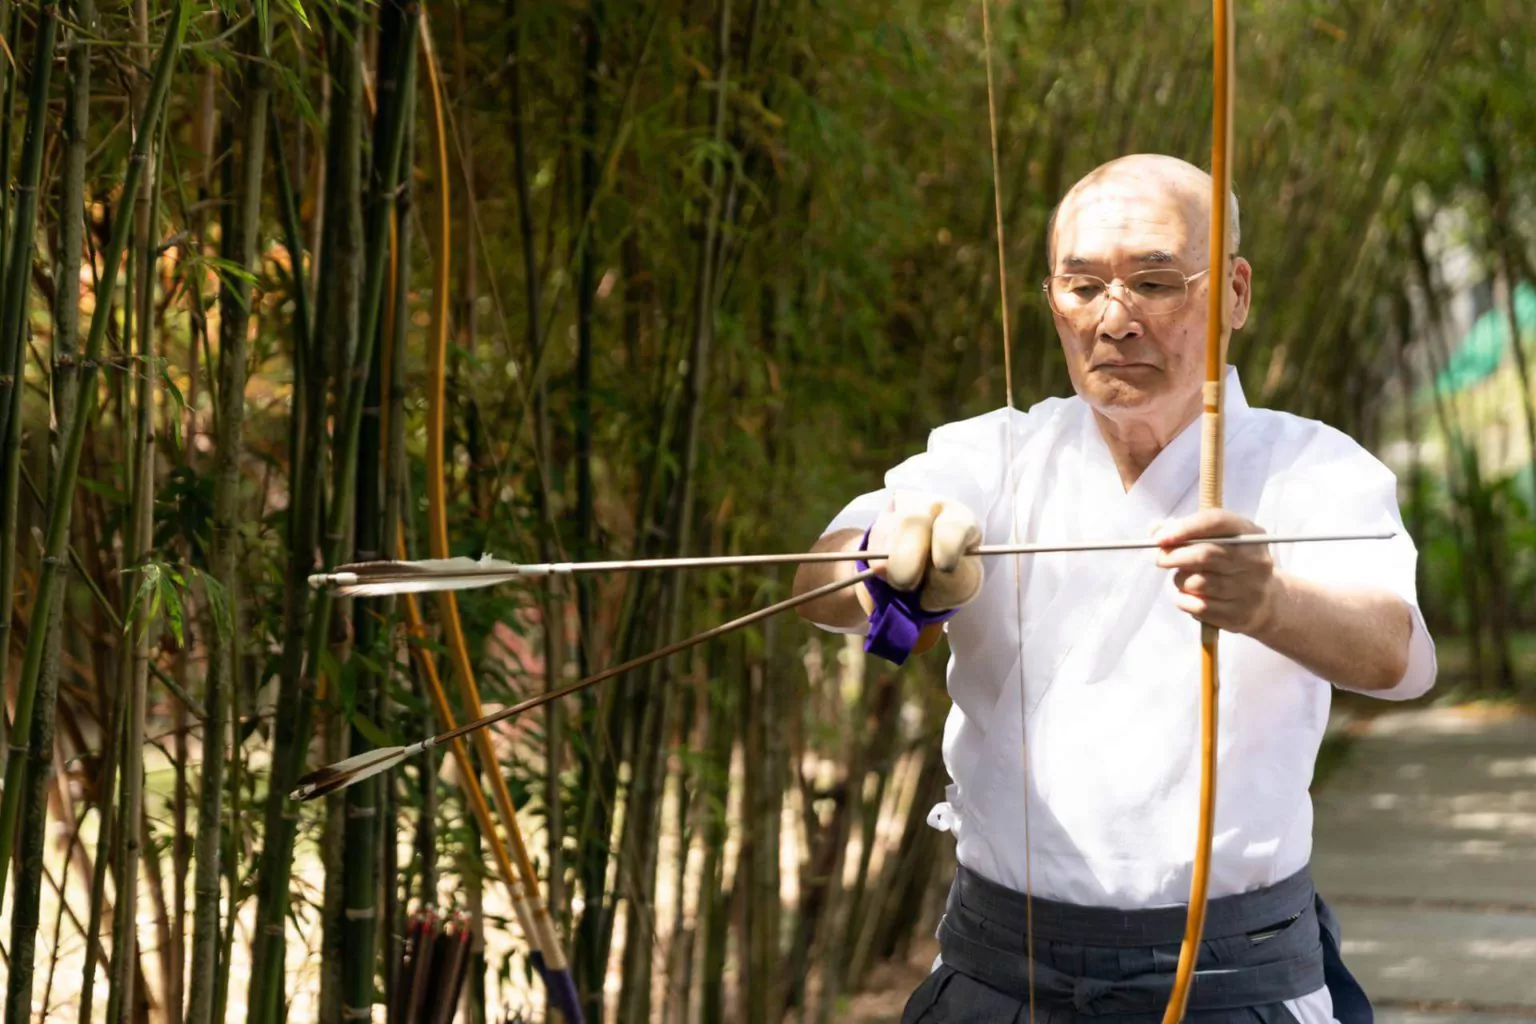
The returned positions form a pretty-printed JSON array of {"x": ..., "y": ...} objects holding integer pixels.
[{"x": 1119, "y": 321}]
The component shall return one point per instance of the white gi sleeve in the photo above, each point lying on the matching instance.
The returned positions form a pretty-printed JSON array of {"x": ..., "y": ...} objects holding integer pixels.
[
  {"x": 1350, "y": 490},
  {"x": 964, "y": 462}
]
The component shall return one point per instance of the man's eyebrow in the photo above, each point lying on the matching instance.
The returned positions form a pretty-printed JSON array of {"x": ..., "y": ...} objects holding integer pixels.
[{"x": 1159, "y": 256}]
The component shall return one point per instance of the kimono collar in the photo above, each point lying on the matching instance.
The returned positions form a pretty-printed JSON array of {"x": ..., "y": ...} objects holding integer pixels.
[{"x": 1170, "y": 481}]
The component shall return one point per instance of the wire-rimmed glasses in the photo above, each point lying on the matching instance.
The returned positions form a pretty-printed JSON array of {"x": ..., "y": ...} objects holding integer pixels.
[{"x": 1154, "y": 292}]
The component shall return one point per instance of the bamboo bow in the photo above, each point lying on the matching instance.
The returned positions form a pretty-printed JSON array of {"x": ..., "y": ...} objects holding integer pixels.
[
  {"x": 1211, "y": 471},
  {"x": 547, "y": 954}
]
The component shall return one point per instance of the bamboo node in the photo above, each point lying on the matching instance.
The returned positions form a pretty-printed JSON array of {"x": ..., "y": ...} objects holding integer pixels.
[
  {"x": 360, "y": 913},
  {"x": 357, "y": 1013}
]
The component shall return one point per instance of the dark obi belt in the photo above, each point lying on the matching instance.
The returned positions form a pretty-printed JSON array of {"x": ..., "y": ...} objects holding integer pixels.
[{"x": 1259, "y": 949}]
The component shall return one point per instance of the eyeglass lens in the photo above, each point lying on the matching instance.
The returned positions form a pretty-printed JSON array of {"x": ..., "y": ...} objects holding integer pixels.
[{"x": 1151, "y": 291}]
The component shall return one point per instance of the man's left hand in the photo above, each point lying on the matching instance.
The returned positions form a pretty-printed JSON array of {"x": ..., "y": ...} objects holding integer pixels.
[{"x": 1232, "y": 586}]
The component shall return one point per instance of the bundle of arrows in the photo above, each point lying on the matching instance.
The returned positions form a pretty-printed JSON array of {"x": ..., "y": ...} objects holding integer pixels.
[
  {"x": 432, "y": 968},
  {"x": 380, "y": 578}
]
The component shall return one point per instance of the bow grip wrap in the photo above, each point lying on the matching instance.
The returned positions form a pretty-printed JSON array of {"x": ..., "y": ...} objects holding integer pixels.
[{"x": 899, "y": 618}]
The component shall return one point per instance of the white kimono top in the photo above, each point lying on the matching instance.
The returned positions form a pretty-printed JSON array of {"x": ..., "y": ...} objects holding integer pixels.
[{"x": 1111, "y": 668}]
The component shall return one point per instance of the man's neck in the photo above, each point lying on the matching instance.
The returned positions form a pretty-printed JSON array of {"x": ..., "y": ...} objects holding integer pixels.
[{"x": 1134, "y": 443}]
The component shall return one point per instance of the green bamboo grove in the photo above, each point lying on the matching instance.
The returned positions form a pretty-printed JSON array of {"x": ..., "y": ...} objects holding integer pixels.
[{"x": 697, "y": 271}]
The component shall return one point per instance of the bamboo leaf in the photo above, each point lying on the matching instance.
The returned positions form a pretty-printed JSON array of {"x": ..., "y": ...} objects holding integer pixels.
[
  {"x": 297, "y": 7},
  {"x": 365, "y": 725},
  {"x": 218, "y": 603},
  {"x": 147, "y": 595}
]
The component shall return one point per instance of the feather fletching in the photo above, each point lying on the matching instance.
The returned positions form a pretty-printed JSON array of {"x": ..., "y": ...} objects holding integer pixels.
[
  {"x": 378, "y": 579},
  {"x": 344, "y": 773}
]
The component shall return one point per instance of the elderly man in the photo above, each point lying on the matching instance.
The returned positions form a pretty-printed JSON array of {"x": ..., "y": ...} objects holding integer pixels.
[{"x": 1072, "y": 742}]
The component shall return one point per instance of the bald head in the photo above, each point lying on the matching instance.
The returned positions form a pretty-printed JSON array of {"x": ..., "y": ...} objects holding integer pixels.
[
  {"x": 1136, "y": 353},
  {"x": 1120, "y": 187}
]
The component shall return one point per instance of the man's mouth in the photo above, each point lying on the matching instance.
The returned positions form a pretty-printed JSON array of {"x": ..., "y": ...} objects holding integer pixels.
[{"x": 1128, "y": 365}]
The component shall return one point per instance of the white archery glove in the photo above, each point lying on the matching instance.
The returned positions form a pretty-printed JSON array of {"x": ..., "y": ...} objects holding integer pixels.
[{"x": 927, "y": 537}]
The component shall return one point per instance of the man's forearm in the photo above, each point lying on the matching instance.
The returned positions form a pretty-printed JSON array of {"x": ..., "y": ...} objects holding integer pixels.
[
  {"x": 842, "y": 609},
  {"x": 1356, "y": 638}
]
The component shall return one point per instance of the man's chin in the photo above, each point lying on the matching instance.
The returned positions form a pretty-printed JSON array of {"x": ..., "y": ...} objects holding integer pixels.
[{"x": 1123, "y": 387}]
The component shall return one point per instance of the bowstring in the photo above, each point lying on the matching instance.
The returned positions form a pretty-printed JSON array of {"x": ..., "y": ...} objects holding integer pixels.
[{"x": 1013, "y": 517}]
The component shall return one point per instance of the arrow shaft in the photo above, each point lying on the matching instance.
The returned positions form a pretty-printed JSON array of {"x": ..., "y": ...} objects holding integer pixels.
[{"x": 534, "y": 569}]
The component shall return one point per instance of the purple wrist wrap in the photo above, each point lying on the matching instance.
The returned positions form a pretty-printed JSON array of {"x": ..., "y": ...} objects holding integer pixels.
[{"x": 898, "y": 618}]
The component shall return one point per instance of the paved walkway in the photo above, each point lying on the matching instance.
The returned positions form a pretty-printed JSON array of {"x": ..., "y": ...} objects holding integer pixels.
[{"x": 1425, "y": 844}]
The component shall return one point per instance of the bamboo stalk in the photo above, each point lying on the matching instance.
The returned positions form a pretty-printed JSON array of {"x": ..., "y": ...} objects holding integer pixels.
[
  {"x": 640, "y": 820},
  {"x": 295, "y": 704},
  {"x": 65, "y": 376},
  {"x": 240, "y": 247},
  {"x": 550, "y": 618},
  {"x": 588, "y": 945},
  {"x": 10, "y": 32},
  {"x": 18, "y": 258},
  {"x": 339, "y": 361},
  {"x": 307, "y": 453},
  {"x": 106, "y": 836},
  {"x": 396, "y": 331},
  {"x": 61, "y": 495},
  {"x": 15, "y": 272},
  {"x": 138, "y": 543},
  {"x": 395, "y": 81},
  {"x": 163, "y": 944},
  {"x": 35, "y": 774},
  {"x": 66, "y": 815}
]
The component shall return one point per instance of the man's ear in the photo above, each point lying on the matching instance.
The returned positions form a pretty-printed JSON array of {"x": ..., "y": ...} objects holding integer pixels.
[{"x": 1242, "y": 292}]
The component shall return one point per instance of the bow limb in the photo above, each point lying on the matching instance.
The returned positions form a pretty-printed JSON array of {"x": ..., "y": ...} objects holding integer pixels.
[
  {"x": 1211, "y": 471},
  {"x": 542, "y": 936},
  {"x": 416, "y": 628},
  {"x": 469, "y": 781}
]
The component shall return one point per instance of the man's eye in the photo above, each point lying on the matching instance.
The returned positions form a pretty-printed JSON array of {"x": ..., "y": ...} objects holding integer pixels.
[
  {"x": 1085, "y": 290},
  {"x": 1151, "y": 288}
]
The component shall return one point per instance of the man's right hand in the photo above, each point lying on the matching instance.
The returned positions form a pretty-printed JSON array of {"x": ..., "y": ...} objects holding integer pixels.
[{"x": 927, "y": 537}]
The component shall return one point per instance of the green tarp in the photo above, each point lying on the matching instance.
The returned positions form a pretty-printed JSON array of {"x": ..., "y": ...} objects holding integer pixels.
[{"x": 1482, "y": 350}]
